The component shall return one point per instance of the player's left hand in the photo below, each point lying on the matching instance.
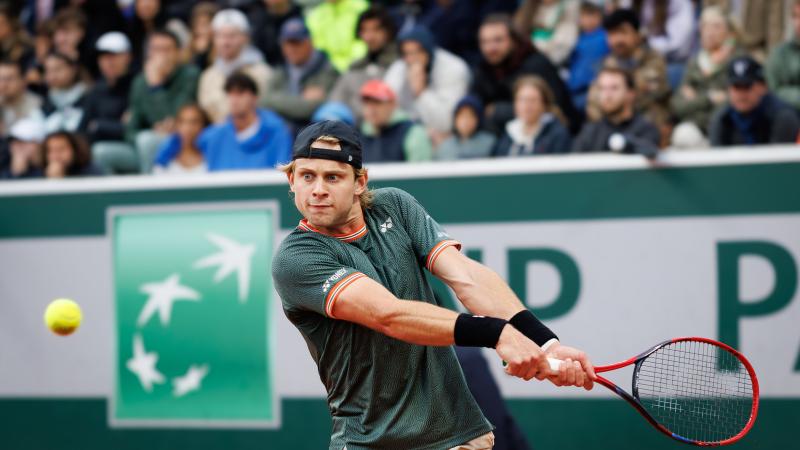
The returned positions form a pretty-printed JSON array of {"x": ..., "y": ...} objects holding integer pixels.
[{"x": 576, "y": 368}]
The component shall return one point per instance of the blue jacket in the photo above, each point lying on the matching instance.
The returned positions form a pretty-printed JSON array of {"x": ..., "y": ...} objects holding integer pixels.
[
  {"x": 271, "y": 145},
  {"x": 586, "y": 59}
]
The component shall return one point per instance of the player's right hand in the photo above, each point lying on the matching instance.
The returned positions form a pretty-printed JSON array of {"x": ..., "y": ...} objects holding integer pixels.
[{"x": 524, "y": 359}]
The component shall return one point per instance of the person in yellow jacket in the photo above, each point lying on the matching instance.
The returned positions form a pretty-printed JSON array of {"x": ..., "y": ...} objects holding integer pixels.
[{"x": 333, "y": 30}]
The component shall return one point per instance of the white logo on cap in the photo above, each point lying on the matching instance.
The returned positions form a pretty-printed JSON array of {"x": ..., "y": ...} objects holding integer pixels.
[
  {"x": 740, "y": 67},
  {"x": 350, "y": 158}
]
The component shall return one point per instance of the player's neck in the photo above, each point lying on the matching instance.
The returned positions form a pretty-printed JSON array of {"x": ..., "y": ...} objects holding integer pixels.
[{"x": 353, "y": 224}]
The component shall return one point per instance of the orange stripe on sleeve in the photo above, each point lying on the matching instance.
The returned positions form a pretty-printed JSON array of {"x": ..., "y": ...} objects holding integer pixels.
[
  {"x": 437, "y": 250},
  {"x": 337, "y": 289}
]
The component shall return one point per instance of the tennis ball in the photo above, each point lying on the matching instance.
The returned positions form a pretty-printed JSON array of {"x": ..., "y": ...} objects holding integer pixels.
[{"x": 62, "y": 316}]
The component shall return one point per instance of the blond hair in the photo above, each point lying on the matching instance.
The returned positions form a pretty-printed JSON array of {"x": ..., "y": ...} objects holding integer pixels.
[{"x": 365, "y": 199}]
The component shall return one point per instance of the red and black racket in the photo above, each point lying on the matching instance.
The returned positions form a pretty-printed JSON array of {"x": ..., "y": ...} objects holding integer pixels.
[{"x": 695, "y": 390}]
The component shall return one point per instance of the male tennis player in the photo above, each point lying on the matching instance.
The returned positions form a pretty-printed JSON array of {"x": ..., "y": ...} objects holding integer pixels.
[{"x": 351, "y": 280}]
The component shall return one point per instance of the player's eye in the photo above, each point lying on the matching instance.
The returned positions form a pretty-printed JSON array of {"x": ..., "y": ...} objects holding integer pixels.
[
  {"x": 333, "y": 177},
  {"x": 307, "y": 177}
]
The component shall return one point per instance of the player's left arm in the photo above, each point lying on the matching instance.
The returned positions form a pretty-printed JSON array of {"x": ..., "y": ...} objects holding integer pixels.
[{"x": 483, "y": 292}]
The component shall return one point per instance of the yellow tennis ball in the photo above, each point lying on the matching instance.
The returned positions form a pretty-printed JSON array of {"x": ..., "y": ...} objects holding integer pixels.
[{"x": 62, "y": 316}]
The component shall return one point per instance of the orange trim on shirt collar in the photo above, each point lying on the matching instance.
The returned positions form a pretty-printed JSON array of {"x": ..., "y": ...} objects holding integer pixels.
[{"x": 304, "y": 225}]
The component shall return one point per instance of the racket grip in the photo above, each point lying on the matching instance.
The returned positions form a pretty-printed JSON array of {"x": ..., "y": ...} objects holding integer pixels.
[{"x": 554, "y": 364}]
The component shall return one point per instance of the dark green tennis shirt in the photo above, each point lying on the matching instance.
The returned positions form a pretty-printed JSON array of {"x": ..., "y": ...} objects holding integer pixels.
[{"x": 382, "y": 393}]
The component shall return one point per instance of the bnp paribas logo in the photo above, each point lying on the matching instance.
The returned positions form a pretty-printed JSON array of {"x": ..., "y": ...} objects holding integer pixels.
[{"x": 193, "y": 297}]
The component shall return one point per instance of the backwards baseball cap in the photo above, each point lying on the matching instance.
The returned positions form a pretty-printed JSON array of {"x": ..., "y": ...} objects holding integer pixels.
[
  {"x": 230, "y": 18},
  {"x": 377, "y": 90},
  {"x": 294, "y": 30},
  {"x": 348, "y": 138},
  {"x": 113, "y": 42},
  {"x": 744, "y": 71}
]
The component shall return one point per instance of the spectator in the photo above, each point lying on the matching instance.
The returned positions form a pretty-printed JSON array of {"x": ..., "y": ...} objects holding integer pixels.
[
  {"x": 25, "y": 157},
  {"x": 552, "y": 26},
  {"x": 156, "y": 95},
  {"x": 66, "y": 93},
  {"x": 388, "y": 134},
  {"x": 630, "y": 52},
  {"x": 469, "y": 139},
  {"x": 148, "y": 16},
  {"x": 588, "y": 54},
  {"x": 753, "y": 115},
  {"x": 454, "y": 24},
  {"x": 620, "y": 129},
  {"x": 332, "y": 25},
  {"x": 334, "y": 111},
  {"x": 704, "y": 85},
  {"x": 70, "y": 38},
  {"x": 428, "y": 82},
  {"x": 762, "y": 23},
  {"x": 376, "y": 28},
  {"x": 15, "y": 44},
  {"x": 42, "y": 46},
  {"x": 301, "y": 85},
  {"x": 180, "y": 154},
  {"x": 506, "y": 57},
  {"x": 783, "y": 68},
  {"x": 65, "y": 154},
  {"x": 670, "y": 28},
  {"x": 267, "y": 17},
  {"x": 538, "y": 126},
  {"x": 233, "y": 53},
  {"x": 16, "y": 102},
  {"x": 251, "y": 138},
  {"x": 202, "y": 34},
  {"x": 107, "y": 102}
]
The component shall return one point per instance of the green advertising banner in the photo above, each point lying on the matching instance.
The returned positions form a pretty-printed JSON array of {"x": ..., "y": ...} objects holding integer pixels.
[{"x": 181, "y": 277}]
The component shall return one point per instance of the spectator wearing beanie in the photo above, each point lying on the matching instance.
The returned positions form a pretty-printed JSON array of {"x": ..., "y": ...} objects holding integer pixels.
[
  {"x": 428, "y": 81},
  {"x": 388, "y": 134},
  {"x": 469, "y": 139}
]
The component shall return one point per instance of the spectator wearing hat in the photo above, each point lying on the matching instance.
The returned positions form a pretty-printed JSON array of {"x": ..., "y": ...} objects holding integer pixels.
[
  {"x": 538, "y": 125},
  {"x": 66, "y": 154},
  {"x": 752, "y": 115},
  {"x": 389, "y": 135},
  {"x": 267, "y": 18},
  {"x": 376, "y": 28},
  {"x": 24, "y": 158},
  {"x": 66, "y": 93},
  {"x": 332, "y": 25},
  {"x": 302, "y": 84},
  {"x": 783, "y": 67},
  {"x": 156, "y": 95},
  {"x": 16, "y": 102},
  {"x": 251, "y": 137},
  {"x": 469, "y": 139},
  {"x": 429, "y": 81},
  {"x": 107, "y": 102},
  {"x": 620, "y": 129},
  {"x": 234, "y": 53}
]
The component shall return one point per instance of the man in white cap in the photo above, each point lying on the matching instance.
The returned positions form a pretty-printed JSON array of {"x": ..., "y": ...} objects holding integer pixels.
[
  {"x": 24, "y": 152},
  {"x": 233, "y": 53},
  {"x": 106, "y": 104}
]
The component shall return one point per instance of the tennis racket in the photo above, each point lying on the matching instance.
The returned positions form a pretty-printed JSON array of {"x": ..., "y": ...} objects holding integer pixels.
[{"x": 695, "y": 390}]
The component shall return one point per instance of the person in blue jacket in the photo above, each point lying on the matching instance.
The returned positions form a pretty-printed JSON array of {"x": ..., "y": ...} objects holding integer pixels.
[
  {"x": 587, "y": 56},
  {"x": 251, "y": 137}
]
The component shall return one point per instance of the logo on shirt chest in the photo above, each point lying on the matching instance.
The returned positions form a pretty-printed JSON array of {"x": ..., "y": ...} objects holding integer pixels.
[
  {"x": 333, "y": 278},
  {"x": 387, "y": 225}
]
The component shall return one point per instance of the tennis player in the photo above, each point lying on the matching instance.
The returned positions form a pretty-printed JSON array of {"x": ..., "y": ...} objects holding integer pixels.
[{"x": 351, "y": 279}]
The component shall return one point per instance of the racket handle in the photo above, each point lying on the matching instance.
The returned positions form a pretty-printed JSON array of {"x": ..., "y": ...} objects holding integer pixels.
[{"x": 554, "y": 364}]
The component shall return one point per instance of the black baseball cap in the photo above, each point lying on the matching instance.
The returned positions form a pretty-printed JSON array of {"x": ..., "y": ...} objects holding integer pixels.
[
  {"x": 348, "y": 137},
  {"x": 744, "y": 71}
]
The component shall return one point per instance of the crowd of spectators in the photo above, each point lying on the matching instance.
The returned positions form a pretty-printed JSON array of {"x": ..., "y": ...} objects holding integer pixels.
[{"x": 101, "y": 87}]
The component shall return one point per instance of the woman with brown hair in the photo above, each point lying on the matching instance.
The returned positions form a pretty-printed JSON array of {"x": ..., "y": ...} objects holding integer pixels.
[
  {"x": 552, "y": 26},
  {"x": 538, "y": 124},
  {"x": 67, "y": 155},
  {"x": 15, "y": 44}
]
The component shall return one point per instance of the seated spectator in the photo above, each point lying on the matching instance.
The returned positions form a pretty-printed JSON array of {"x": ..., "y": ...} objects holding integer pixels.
[
  {"x": 180, "y": 153},
  {"x": 334, "y": 111},
  {"x": 42, "y": 46},
  {"x": 506, "y": 57},
  {"x": 670, "y": 28},
  {"x": 301, "y": 85},
  {"x": 538, "y": 126},
  {"x": 70, "y": 38},
  {"x": 552, "y": 26},
  {"x": 233, "y": 54},
  {"x": 66, "y": 93},
  {"x": 589, "y": 52},
  {"x": 148, "y": 16},
  {"x": 66, "y": 154},
  {"x": 469, "y": 139},
  {"x": 630, "y": 52},
  {"x": 106, "y": 104},
  {"x": 620, "y": 129},
  {"x": 201, "y": 44},
  {"x": 761, "y": 23},
  {"x": 388, "y": 134},
  {"x": 753, "y": 115},
  {"x": 267, "y": 17},
  {"x": 25, "y": 157},
  {"x": 15, "y": 44},
  {"x": 16, "y": 102},
  {"x": 783, "y": 68},
  {"x": 332, "y": 25},
  {"x": 156, "y": 95},
  {"x": 428, "y": 82},
  {"x": 376, "y": 28},
  {"x": 704, "y": 84},
  {"x": 251, "y": 138}
]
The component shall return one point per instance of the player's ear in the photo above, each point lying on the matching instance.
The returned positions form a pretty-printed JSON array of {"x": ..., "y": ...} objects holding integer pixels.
[
  {"x": 361, "y": 182},
  {"x": 290, "y": 177}
]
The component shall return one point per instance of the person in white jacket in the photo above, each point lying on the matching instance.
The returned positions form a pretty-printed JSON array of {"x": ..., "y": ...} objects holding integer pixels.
[{"x": 429, "y": 81}]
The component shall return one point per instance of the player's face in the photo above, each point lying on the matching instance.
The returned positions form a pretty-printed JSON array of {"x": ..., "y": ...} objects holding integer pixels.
[{"x": 326, "y": 192}]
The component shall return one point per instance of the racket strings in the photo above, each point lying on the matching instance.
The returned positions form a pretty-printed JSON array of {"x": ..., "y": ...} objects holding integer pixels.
[{"x": 696, "y": 390}]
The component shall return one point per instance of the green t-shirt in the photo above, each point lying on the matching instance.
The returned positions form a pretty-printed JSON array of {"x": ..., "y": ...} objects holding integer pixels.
[{"x": 382, "y": 392}]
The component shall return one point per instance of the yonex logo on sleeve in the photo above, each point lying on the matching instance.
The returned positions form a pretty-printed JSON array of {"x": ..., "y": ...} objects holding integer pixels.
[
  {"x": 339, "y": 274},
  {"x": 386, "y": 225}
]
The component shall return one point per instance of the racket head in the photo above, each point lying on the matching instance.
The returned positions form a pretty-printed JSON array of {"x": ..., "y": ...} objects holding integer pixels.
[{"x": 697, "y": 390}]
